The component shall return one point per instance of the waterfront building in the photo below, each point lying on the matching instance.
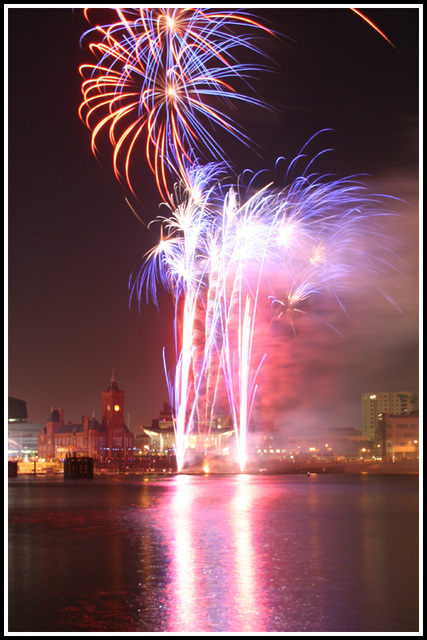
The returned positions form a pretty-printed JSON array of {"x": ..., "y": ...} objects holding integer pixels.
[
  {"x": 318, "y": 443},
  {"x": 400, "y": 436},
  {"x": 120, "y": 440},
  {"x": 377, "y": 402},
  {"x": 21, "y": 434},
  {"x": 17, "y": 410},
  {"x": 105, "y": 440},
  {"x": 161, "y": 435}
]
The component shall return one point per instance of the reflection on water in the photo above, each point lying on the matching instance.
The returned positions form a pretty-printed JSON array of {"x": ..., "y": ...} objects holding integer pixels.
[
  {"x": 213, "y": 566},
  {"x": 217, "y": 554}
]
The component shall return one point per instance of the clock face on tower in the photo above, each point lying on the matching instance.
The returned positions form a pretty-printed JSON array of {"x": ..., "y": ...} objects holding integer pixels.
[
  {"x": 108, "y": 407},
  {"x": 116, "y": 407}
]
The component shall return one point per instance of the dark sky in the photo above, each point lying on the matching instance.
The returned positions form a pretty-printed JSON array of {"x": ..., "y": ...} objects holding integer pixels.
[{"x": 73, "y": 241}]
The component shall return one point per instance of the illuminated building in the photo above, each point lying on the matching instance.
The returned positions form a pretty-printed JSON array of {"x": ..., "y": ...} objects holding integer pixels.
[
  {"x": 375, "y": 403},
  {"x": 321, "y": 443},
  {"x": 21, "y": 434},
  {"x": 399, "y": 435},
  {"x": 102, "y": 440},
  {"x": 119, "y": 438},
  {"x": 162, "y": 435}
]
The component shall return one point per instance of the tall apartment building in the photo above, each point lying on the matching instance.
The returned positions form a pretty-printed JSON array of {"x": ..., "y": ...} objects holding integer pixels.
[{"x": 378, "y": 402}]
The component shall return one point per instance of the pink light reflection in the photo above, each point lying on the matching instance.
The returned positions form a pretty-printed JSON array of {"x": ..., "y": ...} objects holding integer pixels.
[
  {"x": 185, "y": 585},
  {"x": 216, "y": 579},
  {"x": 249, "y": 608}
]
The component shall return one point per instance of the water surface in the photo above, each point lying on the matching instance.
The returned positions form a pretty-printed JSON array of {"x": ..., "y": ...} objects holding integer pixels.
[{"x": 241, "y": 553}]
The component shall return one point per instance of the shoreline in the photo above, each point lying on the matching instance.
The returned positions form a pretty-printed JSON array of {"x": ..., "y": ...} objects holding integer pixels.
[{"x": 272, "y": 468}]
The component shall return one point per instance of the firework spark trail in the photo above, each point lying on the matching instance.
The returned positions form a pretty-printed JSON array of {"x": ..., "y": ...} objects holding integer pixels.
[
  {"x": 155, "y": 69},
  {"x": 245, "y": 342},
  {"x": 182, "y": 379},
  {"x": 374, "y": 26},
  {"x": 244, "y": 246}
]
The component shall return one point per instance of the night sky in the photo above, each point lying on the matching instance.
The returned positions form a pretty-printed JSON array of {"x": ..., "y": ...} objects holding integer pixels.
[{"x": 73, "y": 241}]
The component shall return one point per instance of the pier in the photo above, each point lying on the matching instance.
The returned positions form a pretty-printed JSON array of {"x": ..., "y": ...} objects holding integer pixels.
[{"x": 76, "y": 467}]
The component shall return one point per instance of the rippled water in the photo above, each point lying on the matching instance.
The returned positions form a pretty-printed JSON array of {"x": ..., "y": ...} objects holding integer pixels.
[{"x": 225, "y": 554}]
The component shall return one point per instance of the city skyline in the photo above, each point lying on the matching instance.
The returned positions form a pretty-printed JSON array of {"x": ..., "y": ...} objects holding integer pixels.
[{"x": 74, "y": 241}]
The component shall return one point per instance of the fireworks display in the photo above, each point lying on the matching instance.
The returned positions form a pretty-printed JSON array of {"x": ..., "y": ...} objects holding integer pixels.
[
  {"x": 223, "y": 256},
  {"x": 165, "y": 76}
]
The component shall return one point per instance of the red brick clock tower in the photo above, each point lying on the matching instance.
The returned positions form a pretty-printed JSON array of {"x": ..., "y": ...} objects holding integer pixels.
[{"x": 113, "y": 420}]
